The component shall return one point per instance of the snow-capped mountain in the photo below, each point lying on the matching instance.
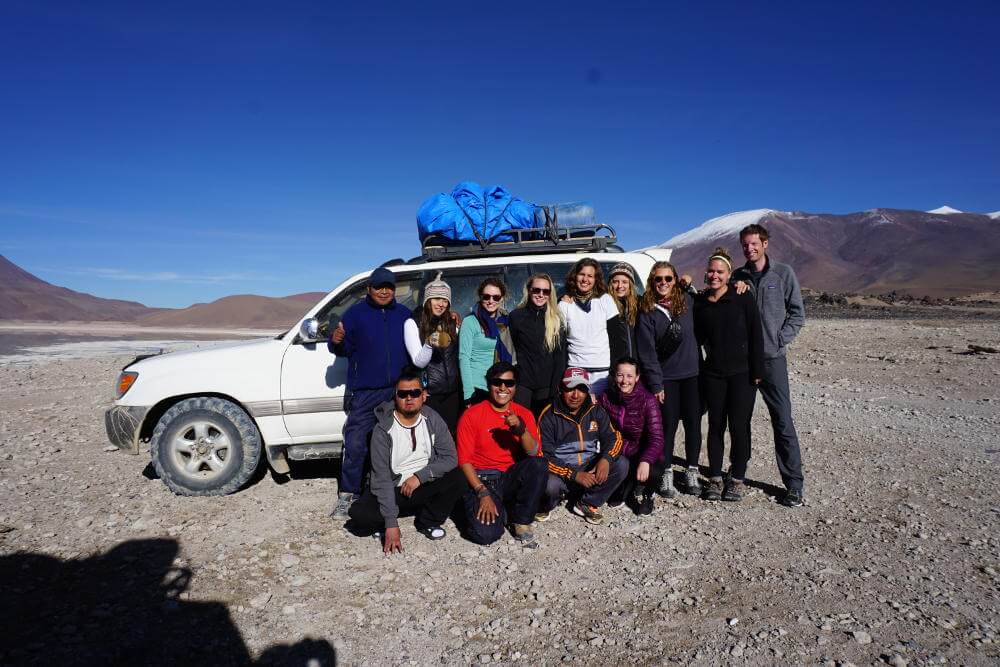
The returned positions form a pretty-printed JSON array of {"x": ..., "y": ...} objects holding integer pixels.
[
  {"x": 944, "y": 252},
  {"x": 945, "y": 210}
]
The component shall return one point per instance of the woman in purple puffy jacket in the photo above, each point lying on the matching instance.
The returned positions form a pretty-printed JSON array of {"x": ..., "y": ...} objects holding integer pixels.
[{"x": 636, "y": 414}]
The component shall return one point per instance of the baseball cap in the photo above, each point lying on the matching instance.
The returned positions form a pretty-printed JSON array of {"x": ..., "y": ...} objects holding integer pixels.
[
  {"x": 574, "y": 377},
  {"x": 382, "y": 276}
]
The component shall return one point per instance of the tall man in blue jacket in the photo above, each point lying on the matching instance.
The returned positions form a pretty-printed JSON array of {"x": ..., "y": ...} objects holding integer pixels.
[
  {"x": 782, "y": 315},
  {"x": 370, "y": 335}
]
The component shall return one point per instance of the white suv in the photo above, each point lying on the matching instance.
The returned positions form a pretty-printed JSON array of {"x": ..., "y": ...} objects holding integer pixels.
[{"x": 207, "y": 415}]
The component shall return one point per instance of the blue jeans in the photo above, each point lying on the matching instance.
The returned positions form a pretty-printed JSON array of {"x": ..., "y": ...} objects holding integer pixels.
[
  {"x": 516, "y": 493},
  {"x": 357, "y": 435}
]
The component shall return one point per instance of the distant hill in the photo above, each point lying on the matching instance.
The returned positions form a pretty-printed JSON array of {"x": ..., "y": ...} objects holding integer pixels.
[
  {"x": 243, "y": 310},
  {"x": 939, "y": 253},
  {"x": 27, "y": 297}
]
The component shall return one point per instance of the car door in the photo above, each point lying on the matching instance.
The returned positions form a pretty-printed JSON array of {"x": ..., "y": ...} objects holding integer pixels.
[{"x": 313, "y": 378}]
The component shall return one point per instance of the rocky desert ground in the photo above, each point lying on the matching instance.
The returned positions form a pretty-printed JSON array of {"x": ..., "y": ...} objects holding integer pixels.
[{"x": 895, "y": 558}]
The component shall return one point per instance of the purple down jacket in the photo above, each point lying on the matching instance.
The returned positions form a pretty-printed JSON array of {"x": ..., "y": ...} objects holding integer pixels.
[{"x": 637, "y": 418}]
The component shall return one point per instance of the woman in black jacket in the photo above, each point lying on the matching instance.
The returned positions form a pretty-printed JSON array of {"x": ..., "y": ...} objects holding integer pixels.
[
  {"x": 727, "y": 326},
  {"x": 621, "y": 329},
  {"x": 539, "y": 336},
  {"x": 431, "y": 337}
]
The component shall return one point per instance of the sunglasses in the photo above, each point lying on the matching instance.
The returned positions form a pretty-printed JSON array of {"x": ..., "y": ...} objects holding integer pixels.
[
  {"x": 503, "y": 382},
  {"x": 408, "y": 393},
  {"x": 490, "y": 297},
  {"x": 663, "y": 279},
  {"x": 541, "y": 290}
]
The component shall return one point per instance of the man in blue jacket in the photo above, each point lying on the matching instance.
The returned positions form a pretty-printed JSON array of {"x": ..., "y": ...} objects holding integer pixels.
[
  {"x": 370, "y": 335},
  {"x": 782, "y": 315}
]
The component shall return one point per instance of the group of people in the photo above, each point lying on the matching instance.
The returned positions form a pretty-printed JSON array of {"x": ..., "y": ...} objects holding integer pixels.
[{"x": 507, "y": 415}]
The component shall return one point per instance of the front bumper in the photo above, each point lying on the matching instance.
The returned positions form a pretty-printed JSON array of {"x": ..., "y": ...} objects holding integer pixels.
[{"x": 123, "y": 423}]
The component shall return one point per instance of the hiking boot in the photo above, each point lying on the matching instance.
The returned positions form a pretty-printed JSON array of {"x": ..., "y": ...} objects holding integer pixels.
[
  {"x": 543, "y": 516},
  {"x": 691, "y": 484},
  {"x": 734, "y": 491},
  {"x": 646, "y": 505},
  {"x": 343, "y": 507},
  {"x": 589, "y": 513},
  {"x": 667, "y": 489},
  {"x": 713, "y": 490},
  {"x": 524, "y": 535},
  {"x": 792, "y": 498}
]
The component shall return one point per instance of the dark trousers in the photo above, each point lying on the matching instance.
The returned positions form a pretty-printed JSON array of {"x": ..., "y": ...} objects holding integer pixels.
[
  {"x": 730, "y": 400},
  {"x": 516, "y": 493},
  {"x": 682, "y": 404},
  {"x": 558, "y": 487},
  {"x": 449, "y": 406},
  {"x": 357, "y": 434},
  {"x": 533, "y": 399},
  {"x": 631, "y": 486},
  {"x": 774, "y": 389},
  {"x": 431, "y": 503}
]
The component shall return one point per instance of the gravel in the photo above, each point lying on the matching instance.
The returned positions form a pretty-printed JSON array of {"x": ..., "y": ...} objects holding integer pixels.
[{"x": 893, "y": 559}]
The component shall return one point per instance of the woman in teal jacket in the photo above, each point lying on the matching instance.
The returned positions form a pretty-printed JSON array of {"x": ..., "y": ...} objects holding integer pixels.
[{"x": 479, "y": 347}]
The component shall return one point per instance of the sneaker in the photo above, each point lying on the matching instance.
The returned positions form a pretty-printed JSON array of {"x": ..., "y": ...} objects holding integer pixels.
[
  {"x": 667, "y": 489},
  {"x": 542, "y": 516},
  {"x": 433, "y": 532},
  {"x": 524, "y": 535},
  {"x": 792, "y": 498},
  {"x": 646, "y": 505},
  {"x": 343, "y": 507},
  {"x": 691, "y": 484},
  {"x": 734, "y": 491},
  {"x": 590, "y": 513},
  {"x": 713, "y": 490}
]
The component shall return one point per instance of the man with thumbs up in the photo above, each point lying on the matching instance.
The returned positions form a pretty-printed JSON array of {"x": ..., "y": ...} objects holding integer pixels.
[{"x": 370, "y": 335}]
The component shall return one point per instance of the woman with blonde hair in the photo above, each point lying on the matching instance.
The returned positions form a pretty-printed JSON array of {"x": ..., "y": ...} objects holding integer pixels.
[
  {"x": 727, "y": 325},
  {"x": 621, "y": 329},
  {"x": 668, "y": 352},
  {"x": 539, "y": 334}
]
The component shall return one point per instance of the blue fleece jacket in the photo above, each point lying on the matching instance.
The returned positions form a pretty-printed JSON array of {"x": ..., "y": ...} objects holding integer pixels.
[{"x": 373, "y": 344}]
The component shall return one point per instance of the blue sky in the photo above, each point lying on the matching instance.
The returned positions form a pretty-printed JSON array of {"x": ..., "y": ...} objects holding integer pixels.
[{"x": 172, "y": 153}]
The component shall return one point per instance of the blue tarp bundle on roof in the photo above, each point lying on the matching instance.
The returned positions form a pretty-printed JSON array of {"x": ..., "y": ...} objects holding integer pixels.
[{"x": 474, "y": 213}]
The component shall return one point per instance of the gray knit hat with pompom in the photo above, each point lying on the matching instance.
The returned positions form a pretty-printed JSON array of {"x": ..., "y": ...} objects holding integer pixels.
[{"x": 437, "y": 289}]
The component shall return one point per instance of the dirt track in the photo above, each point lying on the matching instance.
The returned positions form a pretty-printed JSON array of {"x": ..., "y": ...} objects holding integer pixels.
[{"x": 895, "y": 558}]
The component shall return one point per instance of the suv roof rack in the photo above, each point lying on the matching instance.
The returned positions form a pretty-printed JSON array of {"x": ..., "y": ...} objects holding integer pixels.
[{"x": 536, "y": 240}]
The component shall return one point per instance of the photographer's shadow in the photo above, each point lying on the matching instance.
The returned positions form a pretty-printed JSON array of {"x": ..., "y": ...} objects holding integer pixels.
[{"x": 123, "y": 607}]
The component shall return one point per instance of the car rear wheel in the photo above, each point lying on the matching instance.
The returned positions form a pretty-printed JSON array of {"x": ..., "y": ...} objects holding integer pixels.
[{"x": 205, "y": 447}]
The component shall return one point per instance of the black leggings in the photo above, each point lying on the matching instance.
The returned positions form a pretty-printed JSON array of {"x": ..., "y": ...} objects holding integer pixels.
[
  {"x": 682, "y": 403},
  {"x": 534, "y": 399},
  {"x": 729, "y": 399},
  {"x": 449, "y": 406}
]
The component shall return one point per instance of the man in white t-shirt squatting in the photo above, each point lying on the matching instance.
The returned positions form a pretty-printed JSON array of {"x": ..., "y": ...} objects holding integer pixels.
[{"x": 414, "y": 468}]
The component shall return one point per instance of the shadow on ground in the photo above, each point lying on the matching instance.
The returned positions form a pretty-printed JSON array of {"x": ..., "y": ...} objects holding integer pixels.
[{"x": 123, "y": 607}]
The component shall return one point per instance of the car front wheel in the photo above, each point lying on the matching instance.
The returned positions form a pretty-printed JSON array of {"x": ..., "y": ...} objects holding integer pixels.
[{"x": 205, "y": 447}]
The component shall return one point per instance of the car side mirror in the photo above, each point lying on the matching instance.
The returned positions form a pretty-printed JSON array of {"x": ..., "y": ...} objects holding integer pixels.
[{"x": 309, "y": 330}]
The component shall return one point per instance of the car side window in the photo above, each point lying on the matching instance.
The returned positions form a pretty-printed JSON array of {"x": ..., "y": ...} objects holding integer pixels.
[
  {"x": 408, "y": 289},
  {"x": 558, "y": 274}
]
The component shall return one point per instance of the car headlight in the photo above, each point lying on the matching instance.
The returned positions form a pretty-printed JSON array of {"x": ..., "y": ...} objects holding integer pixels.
[{"x": 125, "y": 381}]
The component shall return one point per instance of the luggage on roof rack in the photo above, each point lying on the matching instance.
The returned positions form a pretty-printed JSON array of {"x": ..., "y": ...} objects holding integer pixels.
[{"x": 546, "y": 239}]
